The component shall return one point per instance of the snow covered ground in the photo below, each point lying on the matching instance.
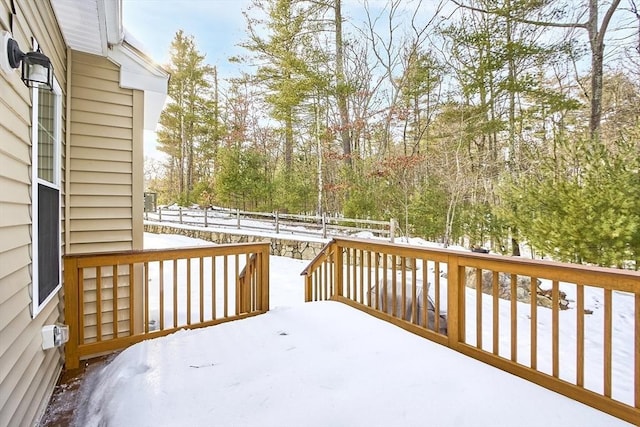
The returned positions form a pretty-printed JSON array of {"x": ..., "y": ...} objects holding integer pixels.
[{"x": 314, "y": 364}]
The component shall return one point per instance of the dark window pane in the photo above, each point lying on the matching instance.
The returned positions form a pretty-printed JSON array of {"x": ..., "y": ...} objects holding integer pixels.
[{"x": 48, "y": 241}]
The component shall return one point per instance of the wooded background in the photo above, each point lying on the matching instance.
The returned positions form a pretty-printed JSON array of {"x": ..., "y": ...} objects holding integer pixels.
[{"x": 493, "y": 121}]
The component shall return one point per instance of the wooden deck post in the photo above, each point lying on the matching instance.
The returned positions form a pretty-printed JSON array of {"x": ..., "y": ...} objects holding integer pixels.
[
  {"x": 308, "y": 288},
  {"x": 264, "y": 277},
  {"x": 338, "y": 273},
  {"x": 455, "y": 309},
  {"x": 71, "y": 312}
]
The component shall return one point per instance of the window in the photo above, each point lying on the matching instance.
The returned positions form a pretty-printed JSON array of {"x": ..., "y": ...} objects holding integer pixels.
[{"x": 45, "y": 195}]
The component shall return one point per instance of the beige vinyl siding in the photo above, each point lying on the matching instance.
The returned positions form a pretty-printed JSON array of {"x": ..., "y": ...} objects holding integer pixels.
[
  {"x": 27, "y": 373},
  {"x": 101, "y": 157},
  {"x": 90, "y": 331},
  {"x": 105, "y": 189}
]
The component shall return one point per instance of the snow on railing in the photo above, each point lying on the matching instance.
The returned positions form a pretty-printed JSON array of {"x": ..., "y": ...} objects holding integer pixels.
[{"x": 581, "y": 338}]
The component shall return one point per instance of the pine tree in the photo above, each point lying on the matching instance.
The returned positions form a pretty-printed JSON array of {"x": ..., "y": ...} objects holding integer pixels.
[{"x": 186, "y": 121}]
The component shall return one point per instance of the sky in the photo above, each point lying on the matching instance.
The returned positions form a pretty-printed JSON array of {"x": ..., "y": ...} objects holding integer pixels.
[
  {"x": 326, "y": 364},
  {"x": 216, "y": 25}
]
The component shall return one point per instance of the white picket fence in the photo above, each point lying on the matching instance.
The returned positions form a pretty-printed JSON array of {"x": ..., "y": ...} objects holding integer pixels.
[{"x": 323, "y": 225}]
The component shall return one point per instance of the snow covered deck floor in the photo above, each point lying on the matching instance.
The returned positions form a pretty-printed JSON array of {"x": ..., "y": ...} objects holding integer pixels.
[{"x": 315, "y": 364}]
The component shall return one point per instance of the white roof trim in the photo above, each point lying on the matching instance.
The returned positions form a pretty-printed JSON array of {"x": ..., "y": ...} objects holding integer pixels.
[
  {"x": 112, "y": 12},
  {"x": 95, "y": 26},
  {"x": 141, "y": 73}
]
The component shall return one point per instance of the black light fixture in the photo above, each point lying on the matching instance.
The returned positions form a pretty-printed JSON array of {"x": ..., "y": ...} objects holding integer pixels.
[{"x": 36, "y": 66}]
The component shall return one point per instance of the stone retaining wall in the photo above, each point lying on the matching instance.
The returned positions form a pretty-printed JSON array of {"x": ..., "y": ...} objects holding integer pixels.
[{"x": 296, "y": 249}]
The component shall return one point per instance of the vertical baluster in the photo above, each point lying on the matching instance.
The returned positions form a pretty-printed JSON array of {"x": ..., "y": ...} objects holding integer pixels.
[
  {"x": 383, "y": 294},
  {"x": 580, "y": 335},
  {"x": 246, "y": 292},
  {"x": 534, "y": 322},
  {"x": 436, "y": 290},
  {"x": 514, "y": 318},
  {"x": 376, "y": 262},
  {"x": 98, "y": 304},
  {"x": 361, "y": 281},
  {"x": 175, "y": 293},
  {"x": 238, "y": 304},
  {"x": 81, "y": 306},
  {"x": 331, "y": 275},
  {"x": 326, "y": 294},
  {"x": 214, "y": 283},
  {"x": 425, "y": 297},
  {"x": 201, "y": 260},
  {"x": 161, "y": 284},
  {"x": 462, "y": 302},
  {"x": 188, "y": 260},
  {"x": 479, "y": 308},
  {"x": 115, "y": 301},
  {"x": 394, "y": 280},
  {"x": 403, "y": 291},
  {"x": 348, "y": 261},
  {"x": 496, "y": 314},
  {"x": 555, "y": 328},
  {"x": 132, "y": 302},
  {"x": 414, "y": 291},
  {"x": 226, "y": 286},
  {"x": 354, "y": 274},
  {"x": 326, "y": 273},
  {"x": 146, "y": 297},
  {"x": 256, "y": 276},
  {"x": 608, "y": 303},
  {"x": 321, "y": 280},
  {"x": 369, "y": 267}
]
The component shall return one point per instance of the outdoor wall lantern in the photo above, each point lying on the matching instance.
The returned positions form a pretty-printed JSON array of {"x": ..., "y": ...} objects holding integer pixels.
[{"x": 36, "y": 66}]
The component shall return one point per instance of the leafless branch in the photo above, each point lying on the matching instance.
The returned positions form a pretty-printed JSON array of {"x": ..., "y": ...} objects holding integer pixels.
[
  {"x": 504, "y": 14},
  {"x": 634, "y": 10},
  {"x": 606, "y": 20}
]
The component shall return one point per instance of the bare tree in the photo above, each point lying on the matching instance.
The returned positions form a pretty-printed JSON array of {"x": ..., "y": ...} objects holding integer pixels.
[
  {"x": 596, "y": 30},
  {"x": 388, "y": 50}
]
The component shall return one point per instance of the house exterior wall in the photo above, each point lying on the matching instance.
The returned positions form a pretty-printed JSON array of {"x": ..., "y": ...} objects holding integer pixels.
[
  {"x": 105, "y": 190},
  {"x": 105, "y": 194},
  {"x": 101, "y": 194},
  {"x": 27, "y": 373}
]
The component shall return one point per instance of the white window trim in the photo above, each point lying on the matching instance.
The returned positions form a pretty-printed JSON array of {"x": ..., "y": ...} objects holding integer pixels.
[{"x": 35, "y": 181}]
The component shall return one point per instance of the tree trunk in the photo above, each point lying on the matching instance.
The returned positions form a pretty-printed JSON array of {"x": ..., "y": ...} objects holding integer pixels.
[
  {"x": 515, "y": 247},
  {"x": 319, "y": 144},
  {"x": 341, "y": 89},
  {"x": 596, "y": 70},
  {"x": 288, "y": 140},
  {"x": 596, "y": 42}
]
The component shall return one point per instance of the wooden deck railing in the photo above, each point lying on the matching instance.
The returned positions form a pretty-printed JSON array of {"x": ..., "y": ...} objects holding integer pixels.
[
  {"x": 115, "y": 299},
  {"x": 478, "y": 305}
]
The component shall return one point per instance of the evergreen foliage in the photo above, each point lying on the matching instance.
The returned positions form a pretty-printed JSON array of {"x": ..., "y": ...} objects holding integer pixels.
[
  {"x": 242, "y": 180},
  {"x": 589, "y": 213}
]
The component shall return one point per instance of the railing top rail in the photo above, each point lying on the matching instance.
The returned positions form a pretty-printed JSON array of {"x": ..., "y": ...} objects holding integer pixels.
[
  {"x": 626, "y": 280},
  {"x": 318, "y": 258},
  {"x": 96, "y": 259}
]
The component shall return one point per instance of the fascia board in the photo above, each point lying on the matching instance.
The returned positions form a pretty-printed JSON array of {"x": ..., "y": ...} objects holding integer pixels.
[{"x": 138, "y": 72}]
